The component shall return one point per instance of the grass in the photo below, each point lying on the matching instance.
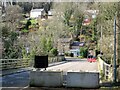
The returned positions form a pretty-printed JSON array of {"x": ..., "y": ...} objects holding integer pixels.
[
  {"x": 33, "y": 21},
  {"x": 24, "y": 30},
  {"x": 81, "y": 57},
  {"x": 110, "y": 88}
]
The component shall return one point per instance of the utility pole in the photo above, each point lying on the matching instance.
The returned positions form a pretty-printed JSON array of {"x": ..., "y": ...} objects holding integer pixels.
[
  {"x": 101, "y": 41},
  {"x": 114, "y": 50}
]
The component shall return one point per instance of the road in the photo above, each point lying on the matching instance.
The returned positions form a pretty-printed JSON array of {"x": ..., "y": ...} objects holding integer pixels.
[
  {"x": 16, "y": 80},
  {"x": 76, "y": 65},
  {"x": 22, "y": 79}
]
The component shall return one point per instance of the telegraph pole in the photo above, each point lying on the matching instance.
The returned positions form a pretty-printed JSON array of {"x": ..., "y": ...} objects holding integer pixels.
[
  {"x": 114, "y": 49},
  {"x": 101, "y": 40}
]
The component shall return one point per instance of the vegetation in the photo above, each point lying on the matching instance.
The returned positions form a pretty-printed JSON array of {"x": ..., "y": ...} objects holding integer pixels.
[
  {"x": 105, "y": 23},
  {"x": 66, "y": 22},
  {"x": 83, "y": 52},
  {"x": 10, "y": 48}
]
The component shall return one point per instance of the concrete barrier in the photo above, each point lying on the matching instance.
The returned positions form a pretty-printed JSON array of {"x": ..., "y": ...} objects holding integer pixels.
[
  {"x": 46, "y": 78},
  {"x": 83, "y": 79}
]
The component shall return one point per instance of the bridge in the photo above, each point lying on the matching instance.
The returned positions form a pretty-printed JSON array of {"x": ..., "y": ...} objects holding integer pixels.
[{"x": 72, "y": 66}]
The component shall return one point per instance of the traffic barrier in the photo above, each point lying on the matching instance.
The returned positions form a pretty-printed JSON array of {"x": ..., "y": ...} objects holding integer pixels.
[
  {"x": 46, "y": 78},
  {"x": 83, "y": 79}
]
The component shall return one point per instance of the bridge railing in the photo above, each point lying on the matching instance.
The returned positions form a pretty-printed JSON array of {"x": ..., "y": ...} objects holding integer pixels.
[
  {"x": 105, "y": 69},
  {"x": 55, "y": 59},
  {"x": 26, "y": 62},
  {"x": 14, "y": 63}
]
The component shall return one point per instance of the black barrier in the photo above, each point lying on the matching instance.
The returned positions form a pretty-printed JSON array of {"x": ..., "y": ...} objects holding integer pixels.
[{"x": 41, "y": 62}]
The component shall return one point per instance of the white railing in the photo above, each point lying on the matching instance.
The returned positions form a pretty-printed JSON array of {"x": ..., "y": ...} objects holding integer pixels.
[{"x": 105, "y": 69}]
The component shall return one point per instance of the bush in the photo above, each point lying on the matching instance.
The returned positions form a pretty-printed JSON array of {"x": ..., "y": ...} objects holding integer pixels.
[
  {"x": 80, "y": 57},
  {"x": 83, "y": 51},
  {"x": 67, "y": 54},
  {"x": 53, "y": 52}
]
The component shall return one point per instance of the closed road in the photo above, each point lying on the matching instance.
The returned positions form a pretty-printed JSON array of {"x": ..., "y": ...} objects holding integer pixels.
[{"x": 75, "y": 64}]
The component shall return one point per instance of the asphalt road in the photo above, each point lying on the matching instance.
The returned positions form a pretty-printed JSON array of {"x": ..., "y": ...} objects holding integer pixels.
[
  {"x": 76, "y": 65},
  {"x": 16, "y": 80},
  {"x": 21, "y": 79}
]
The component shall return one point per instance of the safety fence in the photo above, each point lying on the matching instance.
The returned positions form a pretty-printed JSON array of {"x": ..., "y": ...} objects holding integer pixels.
[
  {"x": 14, "y": 63},
  {"x": 105, "y": 70},
  {"x": 26, "y": 62}
]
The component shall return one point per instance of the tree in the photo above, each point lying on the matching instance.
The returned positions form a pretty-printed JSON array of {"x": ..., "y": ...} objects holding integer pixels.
[
  {"x": 104, "y": 26},
  {"x": 13, "y": 16},
  {"x": 9, "y": 39},
  {"x": 70, "y": 16},
  {"x": 27, "y": 6},
  {"x": 10, "y": 35}
]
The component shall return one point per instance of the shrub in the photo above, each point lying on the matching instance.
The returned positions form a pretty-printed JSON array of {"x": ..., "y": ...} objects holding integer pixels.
[
  {"x": 67, "y": 54},
  {"x": 83, "y": 51},
  {"x": 53, "y": 52}
]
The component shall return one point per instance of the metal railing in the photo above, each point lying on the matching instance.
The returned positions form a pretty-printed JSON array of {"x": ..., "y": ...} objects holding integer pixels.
[
  {"x": 105, "y": 69},
  {"x": 21, "y": 63},
  {"x": 14, "y": 63},
  {"x": 55, "y": 59}
]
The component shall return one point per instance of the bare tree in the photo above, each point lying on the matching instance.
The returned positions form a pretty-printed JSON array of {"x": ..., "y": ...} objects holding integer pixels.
[{"x": 13, "y": 16}]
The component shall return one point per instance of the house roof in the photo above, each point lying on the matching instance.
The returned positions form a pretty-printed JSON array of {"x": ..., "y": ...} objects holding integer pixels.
[{"x": 78, "y": 44}]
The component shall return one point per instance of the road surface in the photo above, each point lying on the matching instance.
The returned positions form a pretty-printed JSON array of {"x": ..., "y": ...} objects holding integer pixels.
[
  {"x": 22, "y": 79},
  {"x": 76, "y": 65}
]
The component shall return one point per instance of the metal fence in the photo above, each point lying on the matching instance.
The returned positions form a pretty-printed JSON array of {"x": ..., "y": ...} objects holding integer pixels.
[
  {"x": 55, "y": 59},
  {"x": 14, "y": 63},
  {"x": 21, "y": 63},
  {"x": 105, "y": 69}
]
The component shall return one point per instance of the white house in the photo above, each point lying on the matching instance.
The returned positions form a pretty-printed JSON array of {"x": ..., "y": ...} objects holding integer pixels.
[
  {"x": 34, "y": 13},
  {"x": 76, "y": 52}
]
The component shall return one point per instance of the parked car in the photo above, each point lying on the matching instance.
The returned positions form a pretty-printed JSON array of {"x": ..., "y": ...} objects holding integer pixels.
[{"x": 91, "y": 58}]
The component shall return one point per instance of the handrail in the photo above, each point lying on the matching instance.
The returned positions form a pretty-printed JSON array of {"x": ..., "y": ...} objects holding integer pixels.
[
  {"x": 14, "y": 63},
  {"x": 23, "y": 62},
  {"x": 105, "y": 68}
]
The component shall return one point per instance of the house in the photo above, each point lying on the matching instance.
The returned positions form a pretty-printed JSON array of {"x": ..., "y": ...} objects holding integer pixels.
[
  {"x": 76, "y": 52},
  {"x": 35, "y": 13},
  {"x": 89, "y": 15},
  {"x": 77, "y": 45},
  {"x": 64, "y": 45}
]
